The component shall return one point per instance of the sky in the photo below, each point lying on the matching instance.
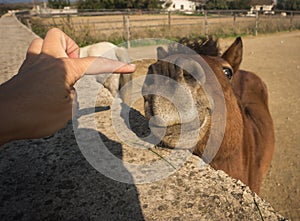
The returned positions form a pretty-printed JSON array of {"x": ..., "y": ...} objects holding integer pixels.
[{"x": 15, "y": 1}]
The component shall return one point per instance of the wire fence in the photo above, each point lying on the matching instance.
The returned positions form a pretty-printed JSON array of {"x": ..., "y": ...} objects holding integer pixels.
[{"x": 129, "y": 25}]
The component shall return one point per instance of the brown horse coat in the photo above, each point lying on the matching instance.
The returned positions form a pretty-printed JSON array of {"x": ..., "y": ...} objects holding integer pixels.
[{"x": 248, "y": 145}]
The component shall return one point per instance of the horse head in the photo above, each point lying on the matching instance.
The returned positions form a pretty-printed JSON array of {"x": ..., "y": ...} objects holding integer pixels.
[{"x": 191, "y": 88}]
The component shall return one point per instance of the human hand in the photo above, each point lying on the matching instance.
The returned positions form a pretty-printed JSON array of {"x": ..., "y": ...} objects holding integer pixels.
[{"x": 38, "y": 100}]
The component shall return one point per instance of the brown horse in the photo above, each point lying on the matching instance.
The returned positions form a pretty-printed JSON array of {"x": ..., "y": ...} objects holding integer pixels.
[{"x": 247, "y": 147}]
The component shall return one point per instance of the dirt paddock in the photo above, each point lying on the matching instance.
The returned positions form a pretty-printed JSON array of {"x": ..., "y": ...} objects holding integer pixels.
[{"x": 276, "y": 59}]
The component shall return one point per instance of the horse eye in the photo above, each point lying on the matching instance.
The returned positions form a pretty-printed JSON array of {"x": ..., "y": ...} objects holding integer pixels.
[{"x": 227, "y": 72}]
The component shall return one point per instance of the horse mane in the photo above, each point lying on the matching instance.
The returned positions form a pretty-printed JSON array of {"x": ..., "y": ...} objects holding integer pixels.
[{"x": 201, "y": 45}]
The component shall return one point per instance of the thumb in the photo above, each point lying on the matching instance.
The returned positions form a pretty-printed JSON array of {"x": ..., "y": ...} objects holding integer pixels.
[{"x": 98, "y": 65}]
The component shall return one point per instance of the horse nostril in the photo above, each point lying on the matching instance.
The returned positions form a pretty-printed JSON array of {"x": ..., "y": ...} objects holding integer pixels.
[
  {"x": 211, "y": 103},
  {"x": 210, "y": 111},
  {"x": 148, "y": 106},
  {"x": 149, "y": 81}
]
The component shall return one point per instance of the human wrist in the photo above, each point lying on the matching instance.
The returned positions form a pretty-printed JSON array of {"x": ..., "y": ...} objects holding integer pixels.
[{"x": 8, "y": 117}]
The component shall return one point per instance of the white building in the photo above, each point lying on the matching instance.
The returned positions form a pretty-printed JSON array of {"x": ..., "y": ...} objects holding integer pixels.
[
  {"x": 264, "y": 6},
  {"x": 179, "y": 5}
]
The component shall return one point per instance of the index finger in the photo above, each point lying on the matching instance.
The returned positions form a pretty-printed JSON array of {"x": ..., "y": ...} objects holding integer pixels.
[
  {"x": 59, "y": 45},
  {"x": 76, "y": 68}
]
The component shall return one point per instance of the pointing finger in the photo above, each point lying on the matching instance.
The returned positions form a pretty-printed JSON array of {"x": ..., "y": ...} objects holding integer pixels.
[
  {"x": 96, "y": 65},
  {"x": 102, "y": 65}
]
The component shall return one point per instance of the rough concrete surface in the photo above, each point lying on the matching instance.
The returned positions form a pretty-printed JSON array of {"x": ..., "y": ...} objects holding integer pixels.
[{"x": 50, "y": 179}]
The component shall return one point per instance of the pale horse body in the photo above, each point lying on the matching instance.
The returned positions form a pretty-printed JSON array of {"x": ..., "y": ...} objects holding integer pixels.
[{"x": 112, "y": 82}]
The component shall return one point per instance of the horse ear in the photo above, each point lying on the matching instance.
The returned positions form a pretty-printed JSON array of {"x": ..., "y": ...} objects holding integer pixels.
[
  {"x": 161, "y": 53},
  {"x": 234, "y": 54}
]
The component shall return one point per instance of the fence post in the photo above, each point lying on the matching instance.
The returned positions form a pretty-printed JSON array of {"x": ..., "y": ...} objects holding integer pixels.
[
  {"x": 124, "y": 26},
  {"x": 256, "y": 23},
  {"x": 205, "y": 24},
  {"x": 128, "y": 30},
  {"x": 169, "y": 19},
  {"x": 28, "y": 23},
  {"x": 234, "y": 22},
  {"x": 234, "y": 18},
  {"x": 291, "y": 21}
]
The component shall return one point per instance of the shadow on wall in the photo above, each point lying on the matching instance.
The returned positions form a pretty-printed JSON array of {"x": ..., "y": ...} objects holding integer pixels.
[{"x": 49, "y": 179}]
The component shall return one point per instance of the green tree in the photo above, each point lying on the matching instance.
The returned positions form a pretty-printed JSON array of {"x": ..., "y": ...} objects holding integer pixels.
[
  {"x": 117, "y": 4},
  {"x": 239, "y": 4},
  {"x": 58, "y": 3},
  {"x": 288, "y": 4},
  {"x": 120, "y": 4},
  {"x": 216, "y": 4},
  {"x": 89, "y": 4},
  {"x": 151, "y": 4}
]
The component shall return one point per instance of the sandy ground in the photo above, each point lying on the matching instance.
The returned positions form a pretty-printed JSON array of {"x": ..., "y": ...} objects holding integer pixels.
[{"x": 276, "y": 59}]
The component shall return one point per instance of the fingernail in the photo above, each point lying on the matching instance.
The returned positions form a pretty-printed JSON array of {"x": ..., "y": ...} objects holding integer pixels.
[{"x": 128, "y": 68}]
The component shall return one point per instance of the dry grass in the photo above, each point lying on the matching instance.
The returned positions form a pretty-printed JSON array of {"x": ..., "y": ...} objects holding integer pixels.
[{"x": 88, "y": 30}]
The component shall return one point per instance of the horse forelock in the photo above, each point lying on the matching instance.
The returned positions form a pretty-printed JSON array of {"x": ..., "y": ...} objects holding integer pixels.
[{"x": 199, "y": 45}]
